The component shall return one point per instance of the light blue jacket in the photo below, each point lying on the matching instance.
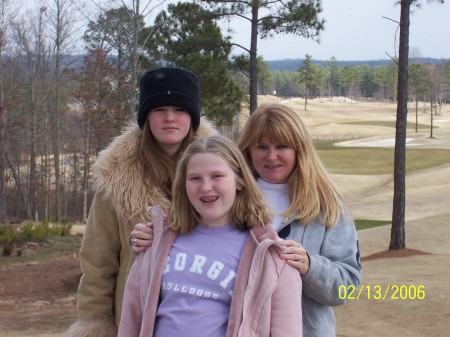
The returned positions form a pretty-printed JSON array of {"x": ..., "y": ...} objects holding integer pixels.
[{"x": 334, "y": 262}]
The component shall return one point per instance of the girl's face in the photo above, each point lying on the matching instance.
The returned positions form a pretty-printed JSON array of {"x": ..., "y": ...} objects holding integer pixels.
[
  {"x": 274, "y": 162},
  {"x": 169, "y": 125},
  {"x": 211, "y": 187}
]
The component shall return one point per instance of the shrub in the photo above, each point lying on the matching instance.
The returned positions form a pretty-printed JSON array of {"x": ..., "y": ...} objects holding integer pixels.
[
  {"x": 35, "y": 232},
  {"x": 7, "y": 235}
]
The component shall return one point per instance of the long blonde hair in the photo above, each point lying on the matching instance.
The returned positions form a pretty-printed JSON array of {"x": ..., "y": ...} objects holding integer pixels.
[
  {"x": 249, "y": 209},
  {"x": 158, "y": 166},
  {"x": 311, "y": 191}
]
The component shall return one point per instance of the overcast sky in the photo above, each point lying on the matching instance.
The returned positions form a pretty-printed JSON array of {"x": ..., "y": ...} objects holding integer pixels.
[{"x": 356, "y": 30}]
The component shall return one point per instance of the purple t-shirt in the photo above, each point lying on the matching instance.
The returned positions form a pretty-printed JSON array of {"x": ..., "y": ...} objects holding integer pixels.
[{"x": 198, "y": 281}]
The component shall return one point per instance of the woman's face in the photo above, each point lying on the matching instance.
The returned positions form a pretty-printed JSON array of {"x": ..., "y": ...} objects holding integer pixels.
[
  {"x": 274, "y": 162},
  {"x": 169, "y": 125}
]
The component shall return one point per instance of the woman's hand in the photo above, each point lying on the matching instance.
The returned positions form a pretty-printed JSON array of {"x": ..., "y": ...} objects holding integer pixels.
[
  {"x": 295, "y": 255},
  {"x": 141, "y": 237}
]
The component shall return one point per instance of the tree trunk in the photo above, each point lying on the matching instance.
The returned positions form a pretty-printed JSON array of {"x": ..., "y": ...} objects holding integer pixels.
[
  {"x": 33, "y": 176},
  {"x": 417, "y": 114},
  {"x": 253, "y": 72},
  {"x": 16, "y": 176},
  {"x": 398, "y": 211},
  {"x": 86, "y": 166},
  {"x": 2, "y": 138},
  {"x": 306, "y": 97},
  {"x": 431, "y": 120},
  {"x": 57, "y": 115},
  {"x": 135, "y": 69}
]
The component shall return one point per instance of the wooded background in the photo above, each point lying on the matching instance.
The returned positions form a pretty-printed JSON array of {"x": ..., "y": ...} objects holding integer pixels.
[{"x": 60, "y": 107}]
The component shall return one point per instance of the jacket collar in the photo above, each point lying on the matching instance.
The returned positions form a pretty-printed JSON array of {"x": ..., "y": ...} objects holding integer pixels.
[{"x": 119, "y": 174}]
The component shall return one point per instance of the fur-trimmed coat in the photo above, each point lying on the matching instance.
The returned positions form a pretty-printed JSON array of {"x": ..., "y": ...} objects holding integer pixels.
[{"x": 120, "y": 202}]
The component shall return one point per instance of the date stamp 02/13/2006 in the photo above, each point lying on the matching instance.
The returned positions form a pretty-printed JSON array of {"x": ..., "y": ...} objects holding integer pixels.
[{"x": 382, "y": 293}]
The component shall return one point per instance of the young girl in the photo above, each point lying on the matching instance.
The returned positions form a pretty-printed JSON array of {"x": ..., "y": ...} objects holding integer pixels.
[
  {"x": 310, "y": 213},
  {"x": 213, "y": 268}
]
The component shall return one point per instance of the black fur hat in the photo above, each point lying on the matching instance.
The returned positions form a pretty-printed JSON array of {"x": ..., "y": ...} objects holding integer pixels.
[{"x": 169, "y": 86}]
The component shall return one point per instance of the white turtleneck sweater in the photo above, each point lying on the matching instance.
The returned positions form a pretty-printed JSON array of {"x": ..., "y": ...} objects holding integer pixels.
[{"x": 277, "y": 197}]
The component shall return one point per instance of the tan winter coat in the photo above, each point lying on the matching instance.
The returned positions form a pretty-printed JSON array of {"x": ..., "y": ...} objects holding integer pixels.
[{"x": 120, "y": 201}]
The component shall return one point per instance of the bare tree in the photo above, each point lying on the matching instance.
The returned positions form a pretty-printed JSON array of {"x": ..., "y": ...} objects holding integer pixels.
[
  {"x": 61, "y": 19},
  {"x": 96, "y": 95},
  {"x": 38, "y": 108},
  {"x": 4, "y": 23},
  {"x": 31, "y": 82},
  {"x": 119, "y": 31}
]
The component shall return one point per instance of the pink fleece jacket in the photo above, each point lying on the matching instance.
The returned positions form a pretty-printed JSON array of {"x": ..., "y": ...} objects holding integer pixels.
[{"x": 266, "y": 297}]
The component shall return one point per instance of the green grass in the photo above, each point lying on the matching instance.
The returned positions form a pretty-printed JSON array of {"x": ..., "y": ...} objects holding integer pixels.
[
  {"x": 376, "y": 160},
  {"x": 391, "y": 124},
  {"x": 365, "y": 223}
]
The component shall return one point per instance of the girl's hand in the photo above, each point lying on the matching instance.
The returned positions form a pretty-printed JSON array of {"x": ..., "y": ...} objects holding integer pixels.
[
  {"x": 141, "y": 237},
  {"x": 295, "y": 255}
]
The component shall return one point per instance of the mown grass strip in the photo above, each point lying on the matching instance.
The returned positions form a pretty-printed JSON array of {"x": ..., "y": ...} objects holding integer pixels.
[
  {"x": 391, "y": 124},
  {"x": 366, "y": 223},
  {"x": 376, "y": 160}
]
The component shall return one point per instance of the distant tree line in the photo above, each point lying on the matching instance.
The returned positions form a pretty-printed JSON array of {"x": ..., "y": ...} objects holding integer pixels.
[
  {"x": 294, "y": 64},
  {"x": 428, "y": 82}
]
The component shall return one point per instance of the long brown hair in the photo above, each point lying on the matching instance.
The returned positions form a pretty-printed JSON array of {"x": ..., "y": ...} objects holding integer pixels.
[
  {"x": 158, "y": 166},
  {"x": 249, "y": 209},
  {"x": 311, "y": 191}
]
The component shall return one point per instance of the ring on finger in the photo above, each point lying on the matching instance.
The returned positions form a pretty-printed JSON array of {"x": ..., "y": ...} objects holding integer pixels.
[
  {"x": 299, "y": 259},
  {"x": 135, "y": 242}
]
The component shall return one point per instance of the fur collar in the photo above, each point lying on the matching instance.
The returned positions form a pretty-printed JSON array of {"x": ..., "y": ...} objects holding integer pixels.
[{"x": 119, "y": 174}]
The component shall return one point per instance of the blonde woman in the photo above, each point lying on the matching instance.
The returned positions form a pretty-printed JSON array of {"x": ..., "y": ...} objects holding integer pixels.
[
  {"x": 213, "y": 268},
  {"x": 310, "y": 213}
]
